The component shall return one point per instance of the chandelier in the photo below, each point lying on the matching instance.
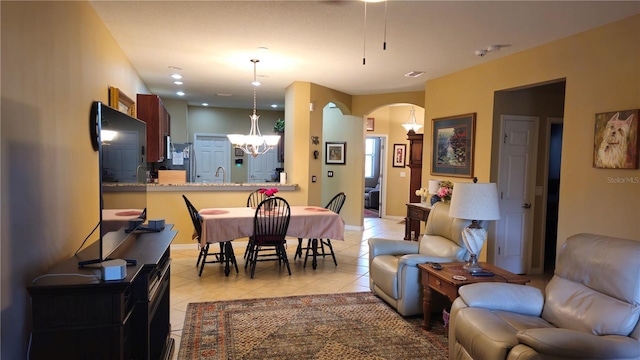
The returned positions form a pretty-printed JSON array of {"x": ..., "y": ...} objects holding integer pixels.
[
  {"x": 411, "y": 124},
  {"x": 255, "y": 143}
]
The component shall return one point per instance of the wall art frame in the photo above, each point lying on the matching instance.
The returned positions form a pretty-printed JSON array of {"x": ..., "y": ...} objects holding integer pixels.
[
  {"x": 616, "y": 140},
  {"x": 370, "y": 123},
  {"x": 121, "y": 102},
  {"x": 399, "y": 155},
  {"x": 453, "y": 145},
  {"x": 335, "y": 152}
]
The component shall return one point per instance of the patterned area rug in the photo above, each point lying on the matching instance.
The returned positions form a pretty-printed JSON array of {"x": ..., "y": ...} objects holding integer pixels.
[{"x": 332, "y": 326}]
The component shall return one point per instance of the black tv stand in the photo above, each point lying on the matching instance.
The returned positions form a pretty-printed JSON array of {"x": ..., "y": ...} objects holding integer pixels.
[{"x": 78, "y": 317}]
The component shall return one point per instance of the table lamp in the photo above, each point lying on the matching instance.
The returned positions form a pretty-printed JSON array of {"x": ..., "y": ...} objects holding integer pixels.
[
  {"x": 474, "y": 201},
  {"x": 434, "y": 186}
]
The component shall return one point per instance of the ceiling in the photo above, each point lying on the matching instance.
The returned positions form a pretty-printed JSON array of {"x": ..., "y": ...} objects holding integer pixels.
[{"x": 325, "y": 42}]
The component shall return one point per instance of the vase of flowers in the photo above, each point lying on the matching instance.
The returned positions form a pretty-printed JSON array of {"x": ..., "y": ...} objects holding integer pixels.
[
  {"x": 423, "y": 193},
  {"x": 270, "y": 193},
  {"x": 445, "y": 191}
]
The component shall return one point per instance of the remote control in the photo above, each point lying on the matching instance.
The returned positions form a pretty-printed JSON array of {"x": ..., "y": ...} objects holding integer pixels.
[
  {"x": 482, "y": 273},
  {"x": 436, "y": 266}
]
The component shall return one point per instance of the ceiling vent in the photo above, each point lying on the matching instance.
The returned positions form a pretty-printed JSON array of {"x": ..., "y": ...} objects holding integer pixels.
[{"x": 414, "y": 74}]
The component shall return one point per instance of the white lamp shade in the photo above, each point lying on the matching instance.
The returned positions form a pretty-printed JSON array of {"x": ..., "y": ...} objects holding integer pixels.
[
  {"x": 434, "y": 186},
  {"x": 475, "y": 201},
  {"x": 236, "y": 139},
  {"x": 271, "y": 140}
]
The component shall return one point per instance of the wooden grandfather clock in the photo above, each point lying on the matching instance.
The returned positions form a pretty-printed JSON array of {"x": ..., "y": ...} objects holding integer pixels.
[{"x": 415, "y": 164}]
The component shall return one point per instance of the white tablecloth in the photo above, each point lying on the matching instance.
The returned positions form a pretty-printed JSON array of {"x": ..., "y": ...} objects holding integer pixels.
[{"x": 307, "y": 222}]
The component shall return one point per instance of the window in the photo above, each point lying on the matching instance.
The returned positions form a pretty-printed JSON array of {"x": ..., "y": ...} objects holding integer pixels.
[{"x": 369, "y": 157}]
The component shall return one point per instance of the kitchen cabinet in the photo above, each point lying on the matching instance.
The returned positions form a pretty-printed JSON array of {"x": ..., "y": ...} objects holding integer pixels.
[
  {"x": 415, "y": 164},
  {"x": 151, "y": 110}
]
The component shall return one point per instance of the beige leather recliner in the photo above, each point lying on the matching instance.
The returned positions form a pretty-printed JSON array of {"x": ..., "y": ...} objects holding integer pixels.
[
  {"x": 589, "y": 309},
  {"x": 393, "y": 264}
]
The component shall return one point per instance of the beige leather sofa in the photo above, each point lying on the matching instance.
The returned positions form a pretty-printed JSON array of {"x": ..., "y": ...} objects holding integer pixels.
[
  {"x": 393, "y": 264},
  {"x": 589, "y": 309}
]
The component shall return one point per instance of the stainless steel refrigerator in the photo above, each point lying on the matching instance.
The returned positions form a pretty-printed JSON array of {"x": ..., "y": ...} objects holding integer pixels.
[{"x": 183, "y": 158}]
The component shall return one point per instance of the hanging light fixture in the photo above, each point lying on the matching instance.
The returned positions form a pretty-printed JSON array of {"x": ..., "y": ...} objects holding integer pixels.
[
  {"x": 411, "y": 124},
  {"x": 255, "y": 143}
]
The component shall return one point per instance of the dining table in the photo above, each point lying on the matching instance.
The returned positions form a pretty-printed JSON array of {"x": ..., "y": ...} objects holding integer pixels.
[
  {"x": 306, "y": 222},
  {"x": 115, "y": 219}
]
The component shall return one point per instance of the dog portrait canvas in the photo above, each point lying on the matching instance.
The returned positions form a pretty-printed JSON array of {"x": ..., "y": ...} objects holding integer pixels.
[{"x": 616, "y": 140}]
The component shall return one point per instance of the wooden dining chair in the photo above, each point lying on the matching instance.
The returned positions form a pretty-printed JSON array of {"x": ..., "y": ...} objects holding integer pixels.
[
  {"x": 226, "y": 250},
  {"x": 254, "y": 199},
  {"x": 270, "y": 224},
  {"x": 335, "y": 205}
]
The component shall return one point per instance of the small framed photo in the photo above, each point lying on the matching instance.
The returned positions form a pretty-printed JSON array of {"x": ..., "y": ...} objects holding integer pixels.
[
  {"x": 399, "y": 155},
  {"x": 370, "y": 123},
  {"x": 616, "y": 140},
  {"x": 335, "y": 153},
  {"x": 238, "y": 152}
]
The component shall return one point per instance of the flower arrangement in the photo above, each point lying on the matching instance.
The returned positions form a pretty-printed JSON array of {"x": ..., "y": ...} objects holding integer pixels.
[
  {"x": 422, "y": 192},
  {"x": 445, "y": 191},
  {"x": 268, "y": 192}
]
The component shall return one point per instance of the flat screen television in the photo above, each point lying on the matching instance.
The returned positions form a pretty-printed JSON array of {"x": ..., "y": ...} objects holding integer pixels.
[{"x": 120, "y": 141}]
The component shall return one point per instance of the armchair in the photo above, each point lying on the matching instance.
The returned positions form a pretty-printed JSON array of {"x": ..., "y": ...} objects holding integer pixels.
[
  {"x": 372, "y": 196},
  {"x": 589, "y": 309},
  {"x": 393, "y": 264}
]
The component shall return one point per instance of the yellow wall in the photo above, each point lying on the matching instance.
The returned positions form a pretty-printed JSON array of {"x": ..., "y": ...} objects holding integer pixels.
[
  {"x": 602, "y": 72},
  {"x": 57, "y": 57}
]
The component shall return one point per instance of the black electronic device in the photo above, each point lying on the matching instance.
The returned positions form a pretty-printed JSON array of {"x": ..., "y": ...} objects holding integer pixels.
[
  {"x": 436, "y": 265},
  {"x": 120, "y": 141},
  {"x": 483, "y": 273}
]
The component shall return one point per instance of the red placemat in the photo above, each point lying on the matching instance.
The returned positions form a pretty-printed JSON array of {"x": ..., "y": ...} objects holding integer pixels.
[
  {"x": 213, "y": 212},
  {"x": 316, "y": 209},
  {"x": 129, "y": 213}
]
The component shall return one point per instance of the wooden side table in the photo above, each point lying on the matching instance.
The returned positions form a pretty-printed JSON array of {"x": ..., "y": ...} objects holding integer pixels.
[
  {"x": 443, "y": 282},
  {"x": 416, "y": 212}
]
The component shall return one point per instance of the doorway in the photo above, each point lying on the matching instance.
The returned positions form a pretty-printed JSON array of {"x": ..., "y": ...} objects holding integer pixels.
[
  {"x": 212, "y": 151},
  {"x": 546, "y": 103},
  {"x": 373, "y": 175}
]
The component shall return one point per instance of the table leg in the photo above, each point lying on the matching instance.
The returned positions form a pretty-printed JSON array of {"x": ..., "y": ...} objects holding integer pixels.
[{"x": 426, "y": 307}]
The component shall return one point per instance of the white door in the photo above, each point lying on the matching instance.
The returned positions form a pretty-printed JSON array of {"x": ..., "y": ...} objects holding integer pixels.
[
  {"x": 211, "y": 152},
  {"x": 516, "y": 184},
  {"x": 120, "y": 158},
  {"x": 262, "y": 167}
]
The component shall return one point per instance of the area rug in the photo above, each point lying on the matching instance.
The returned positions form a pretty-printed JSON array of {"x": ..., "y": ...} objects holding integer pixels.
[
  {"x": 371, "y": 213},
  {"x": 332, "y": 326}
]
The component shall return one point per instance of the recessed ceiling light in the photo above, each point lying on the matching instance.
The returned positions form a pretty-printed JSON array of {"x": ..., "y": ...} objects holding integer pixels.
[
  {"x": 178, "y": 82},
  {"x": 263, "y": 48},
  {"x": 176, "y": 76},
  {"x": 414, "y": 74},
  {"x": 223, "y": 94},
  {"x": 180, "y": 93},
  {"x": 256, "y": 83},
  {"x": 274, "y": 105},
  {"x": 174, "y": 67},
  {"x": 205, "y": 104}
]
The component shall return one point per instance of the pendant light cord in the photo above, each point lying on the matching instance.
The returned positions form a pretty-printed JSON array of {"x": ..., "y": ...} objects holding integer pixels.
[
  {"x": 364, "y": 36},
  {"x": 384, "y": 43}
]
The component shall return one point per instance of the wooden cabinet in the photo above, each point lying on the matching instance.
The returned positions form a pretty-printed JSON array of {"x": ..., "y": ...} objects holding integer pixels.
[
  {"x": 83, "y": 317},
  {"x": 151, "y": 110},
  {"x": 415, "y": 164}
]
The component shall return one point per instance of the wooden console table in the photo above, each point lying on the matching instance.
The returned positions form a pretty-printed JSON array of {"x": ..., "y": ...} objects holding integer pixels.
[
  {"x": 76, "y": 315},
  {"x": 416, "y": 212},
  {"x": 443, "y": 282}
]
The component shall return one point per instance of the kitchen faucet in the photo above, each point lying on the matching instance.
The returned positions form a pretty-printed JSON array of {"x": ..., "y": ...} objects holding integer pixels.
[
  {"x": 224, "y": 173},
  {"x": 144, "y": 176}
]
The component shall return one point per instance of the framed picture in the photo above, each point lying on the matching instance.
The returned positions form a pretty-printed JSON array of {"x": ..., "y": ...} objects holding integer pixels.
[
  {"x": 453, "y": 145},
  {"x": 616, "y": 141},
  {"x": 335, "y": 152},
  {"x": 370, "y": 123},
  {"x": 121, "y": 102},
  {"x": 238, "y": 152},
  {"x": 399, "y": 155}
]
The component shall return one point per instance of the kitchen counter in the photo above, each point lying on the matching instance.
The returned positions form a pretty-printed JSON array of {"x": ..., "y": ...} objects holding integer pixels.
[{"x": 122, "y": 187}]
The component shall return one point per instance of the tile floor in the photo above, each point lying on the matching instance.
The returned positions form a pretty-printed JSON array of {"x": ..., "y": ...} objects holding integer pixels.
[{"x": 351, "y": 274}]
